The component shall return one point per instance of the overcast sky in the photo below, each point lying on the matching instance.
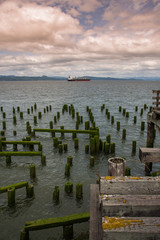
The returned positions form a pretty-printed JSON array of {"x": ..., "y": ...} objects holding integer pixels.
[{"x": 111, "y": 38}]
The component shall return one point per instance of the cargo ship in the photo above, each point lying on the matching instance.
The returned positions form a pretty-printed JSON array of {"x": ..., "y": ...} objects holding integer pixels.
[{"x": 83, "y": 79}]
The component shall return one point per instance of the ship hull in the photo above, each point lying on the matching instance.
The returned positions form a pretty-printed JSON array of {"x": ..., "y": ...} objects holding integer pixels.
[{"x": 78, "y": 80}]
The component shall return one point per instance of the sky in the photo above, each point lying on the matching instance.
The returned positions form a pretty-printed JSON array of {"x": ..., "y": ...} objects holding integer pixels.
[{"x": 105, "y": 38}]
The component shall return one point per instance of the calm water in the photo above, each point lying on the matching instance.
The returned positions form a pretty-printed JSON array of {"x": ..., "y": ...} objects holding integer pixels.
[{"x": 57, "y": 93}]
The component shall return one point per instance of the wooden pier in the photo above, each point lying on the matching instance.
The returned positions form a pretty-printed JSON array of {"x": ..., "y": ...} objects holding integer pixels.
[
  {"x": 151, "y": 155},
  {"x": 125, "y": 208}
]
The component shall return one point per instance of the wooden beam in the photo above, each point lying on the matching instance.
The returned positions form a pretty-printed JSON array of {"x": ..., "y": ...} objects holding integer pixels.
[
  {"x": 56, "y": 222},
  {"x": 16, "y": 186},
  {"x": 149, "y": 155},
  {"x": 95, "y": 132},
  {"x": 21, "y": 142},
  {"x": 130, "y": 185},
  {"x": 21, "y": 153},
  {"x": 95, "y": 229},
  {"x": 130, "y": 205},
  {"x": 131, "y": 228}
]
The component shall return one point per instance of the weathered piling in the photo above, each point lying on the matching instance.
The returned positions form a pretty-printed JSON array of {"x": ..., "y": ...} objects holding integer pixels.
[
  {"x": 79, "y": 190},
  {"x": 21, "y": 115},
  {"x": 43, "y": 160},
  {"x": 11, "y": 196},
  {"x": 113, "y": 147},
  {"x": 56, "y": 194},
  {"x": 118, "y": 125},
  {"x": 91, "y": 161},
  {"x": 87, "y": 126},
  {"x": 142, "y": 125},
  {"x": 124, "y": 111},
  {"x": 51, "y": 125},
  {"x": 136, "y": 108},
  {"x": 70, "y": 160},
  {"x": 55, "y": 141},
  {"x": 76, "y": 143},
  {"x": 62, "y": 133},
  {"x": 92, "y": 145},
  {"x": 135, "y": 119},
  {"x": 30, "y": 190},
  {"x": 87, "y": 148},
  {"x": 127, "y": 114},
  {"x": 39, "y": 115},
  {"x": 108, "y": 138},
  {"x": 65, "y": 146},
  {"x": 14, "y": 132},
  {"x": 4, "y": 125},
  {"x": 112, "y": 119},
  {"x": 120, "y": 108},
  {"x": 133, "y": 146},
  {"x": 14, "y": 120},
  {"x": 8, "y": 160},
  {"x": 4, "y": 115},
  {"x": 67, "y": 170},
  {"x": 106, "y": 147},
  {"x": 55, "y": 119},
  {"x": 32, "y": 171},
  {"x": 60, "y": 147},
  {"x": 116, "y": 166},
  {"x": 141, "y": 113},
  {"x": 124, "y": 134},
  {"x": 68, "y": 187},
  {"x": 127, "y": 171},
  {"x": 68, "y": 232},
  {"x": 35, "y": 120}
]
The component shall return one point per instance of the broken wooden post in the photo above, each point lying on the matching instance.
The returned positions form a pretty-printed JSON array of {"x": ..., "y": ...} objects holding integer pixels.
[{"x": 116, "y": 166}]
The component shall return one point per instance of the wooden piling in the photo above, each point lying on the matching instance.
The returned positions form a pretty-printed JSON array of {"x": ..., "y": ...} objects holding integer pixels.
[
  {"x": 142, "y": 125},
  {"x": 116, "y": 166},
  {"x": 30, "y": 190},
  {"x": 118, "y": 125},
  {"x": 124, "y": 134},
  {"x": 11, "y": 197},
  {"x": 60, "y": 147},
  {"x": 113, "y": 146},
  {"x": 76, "y": 143},
  {"x": 67, "y": 170},
  {"x": 14, "y": 120},
  {"x": 133, "y": 146},
  {"x": 68, "y": 187},
  {"x": 91, "y": 161},
  {"x": 43, "y": 160},
  {"x": 79, "y": 190},
  {"x": 32, "y": 171},
  {"x": 56, "y": 194},
  {"x": 68, "y": 232},
  {"x": 87, "y": 148},
  {"x": 69, "y": 160}
]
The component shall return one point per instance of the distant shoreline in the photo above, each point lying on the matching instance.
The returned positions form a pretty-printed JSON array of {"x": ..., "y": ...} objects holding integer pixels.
[{"x": 55, "y": 78}]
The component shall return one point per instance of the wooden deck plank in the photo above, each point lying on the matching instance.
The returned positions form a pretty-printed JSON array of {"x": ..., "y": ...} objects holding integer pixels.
[
  {"x": 130, "y": 185},
  {"x": 149, "y": 155},
  {"x": 95, "y": 230},
  {"x": 144, "y": 228},
  {"x": 131, "y": 205}
]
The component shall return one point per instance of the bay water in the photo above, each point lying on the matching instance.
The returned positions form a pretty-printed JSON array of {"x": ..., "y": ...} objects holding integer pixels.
[{"x": 94, "y": 94}]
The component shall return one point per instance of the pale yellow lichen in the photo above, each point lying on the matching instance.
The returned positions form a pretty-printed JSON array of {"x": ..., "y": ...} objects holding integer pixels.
[
  {"x": 114, "y": 223},
  {"x": 135, "y": 178}
]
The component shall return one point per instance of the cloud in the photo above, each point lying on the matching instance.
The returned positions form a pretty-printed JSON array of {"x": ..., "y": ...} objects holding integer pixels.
[
  {"x": 29, "y": 23},
  {"x": 50, "y": 37}
]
